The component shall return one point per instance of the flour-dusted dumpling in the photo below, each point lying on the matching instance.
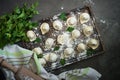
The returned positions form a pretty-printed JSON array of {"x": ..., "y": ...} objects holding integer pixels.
[
  {"x": 75, "y": 34},
  {"x": 37, "y": 50},
  {"x": 50, "y": 57},
  {"x": 44, "y": 28},
  {"x": 31, "y": 35},
  {"x": 81, "y": 47},
  {"x": 49, "y": 42},
  {"x": 53, "y": 57},
  {"x": 68, "y": 52},
  {"x": 88, "y": 30},
  {"x": 84, "y": 17},
  {"x": 57, "y": 25},
  {"x": 60, "y": 39},
  {"x": 42, "y": 61},
  {"x": 93, "y": 43},
  {"x": 47, "y": 56},
  {"x": 71, "y": 21},
  {"x": 63, "y": 39}
]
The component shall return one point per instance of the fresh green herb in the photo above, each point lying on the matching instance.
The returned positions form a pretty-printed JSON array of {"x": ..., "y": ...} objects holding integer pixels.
[
  {"x": 62, "y": 61},
  {"x": 56, "y": 48},
  {"x": 90, "y": 52},
  {"x": 13, "y": 26},
  {"x": 70, "y": 29},
  {"x": 63, "y": 16},
  {"x": 40, "y": 55},
  {"x": 37, "y": 40}
]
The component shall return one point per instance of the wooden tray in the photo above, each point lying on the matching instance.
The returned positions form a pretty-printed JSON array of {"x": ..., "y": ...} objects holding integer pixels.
[{"x": 98, "y": 51}]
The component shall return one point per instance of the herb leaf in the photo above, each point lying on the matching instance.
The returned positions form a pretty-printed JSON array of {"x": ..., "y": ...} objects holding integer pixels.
[
  {"x": 70, "y": 29},
  {"x": 63, "y": 16},
  {"x": 90, "y": 52},
  {"x": 37, "y": 40},
  {"x": 62, "y": 61},
  {"x": 56, "y": 48},
  {"x": 40, "y": 55}
]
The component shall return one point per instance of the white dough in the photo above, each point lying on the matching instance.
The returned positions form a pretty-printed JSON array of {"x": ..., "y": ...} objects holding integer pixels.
[
  {"x": 47, "y": 57},
  {"x": 81, "y": 47},
  {"x": 53, "y": 57},
  {"x": 57, "y": 25},
  {"x": 84, "y": 17},
  {"x": 68, "y": 52},
  {"x": 88, "y": 30},
  {"x": 49, "y": 42},
  {"x": 37, "y": 50},
  {"x": 44, "y": 28},
  {"x": 60, "y": 39},
  {"x": 31, "y": 35},
  {"x": 42, "y": 61},
  {"x": 93, "y": 43},
  {"x": 71, "y": 21},
  {"x": 75, "y": 34},
  {"x": 50, "y": 57}
]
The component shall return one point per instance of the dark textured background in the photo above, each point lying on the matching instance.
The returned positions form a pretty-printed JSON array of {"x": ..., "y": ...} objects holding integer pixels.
[{"x": 107, "y": 13}]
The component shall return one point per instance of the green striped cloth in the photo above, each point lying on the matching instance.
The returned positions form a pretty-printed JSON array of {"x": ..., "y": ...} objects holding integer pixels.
[
  {"x": 19, "y": 56},
  {"x": 16, "y": 56}
]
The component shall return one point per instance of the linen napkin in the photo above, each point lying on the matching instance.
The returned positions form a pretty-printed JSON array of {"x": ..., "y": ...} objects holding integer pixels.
[{"x": 18, "y": 56}]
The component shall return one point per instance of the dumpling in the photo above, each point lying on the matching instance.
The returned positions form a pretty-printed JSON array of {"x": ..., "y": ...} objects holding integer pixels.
[
  {"x": 84, "y": 17},
  {"x": 44, "y": 28},
  {"x": 63, "y": 39},
  {"x": 47, "y": 57},
  {"x": 68, "y": 52},
  {"x": 53, "y": 57},
  {"x": 49, "y": 42},
  {"x": 71, "y": 21},
  {"x": 57, "y": 25},
  {"x": 60, "y": 39},
  {"x": 81, "y": 47},
  {"x": 31, "y": 35},
  {"x": 37, "y": 50},
  {"x": 93, "y": 43},
  {"x": 42, "y": 61},
  {"x": 88, "y": 30},
  {"x": 75, "y": 34}
]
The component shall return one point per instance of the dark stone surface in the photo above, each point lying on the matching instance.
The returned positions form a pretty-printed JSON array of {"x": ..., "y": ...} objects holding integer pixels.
[{"x": 108, "y": 17}]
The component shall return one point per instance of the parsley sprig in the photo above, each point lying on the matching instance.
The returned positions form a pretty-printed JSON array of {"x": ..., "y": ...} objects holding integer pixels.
[
  {"x": 13, "y": 26},
  {"x": 70, "y": 29},
  {"x": 90, "y": 52}
]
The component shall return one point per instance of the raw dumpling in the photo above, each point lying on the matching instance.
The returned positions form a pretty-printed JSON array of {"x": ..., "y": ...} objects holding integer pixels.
[
  {"x": 68, "y": 52},
  {"x": 60, "y": 39},
  {"x": 44, "y": 28},
  {"x": 31, "y": 35},
  {"x": 53, "y": 57},
  {"x": 47, "y": 57},
  {"x": 57, "y": 25},
  {"x": 71, "y": 21},
  {"x": 63, "y": 39},
  {"x": 84, "y": 17},
  {"x": 75, "y": 34},
  {"x": 37, "y": 50},
  {"x": 81, "y": 47},
  {"x": 42, "y": 61},
  {"x": 88, "y": 30},
  {"x": 93, "y": 43},
  {"x": 49, "y": 42}
]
